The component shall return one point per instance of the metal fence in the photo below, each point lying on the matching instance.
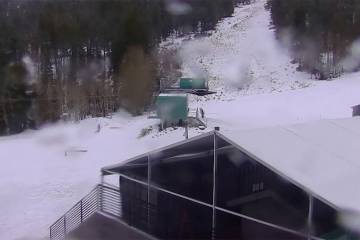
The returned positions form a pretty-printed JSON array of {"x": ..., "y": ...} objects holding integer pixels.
[
  {"x": 103, "y": 197},
  {"x": 110, "y": 200}
]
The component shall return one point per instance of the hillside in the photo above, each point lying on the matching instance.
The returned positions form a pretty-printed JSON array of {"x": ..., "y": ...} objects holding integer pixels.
[{"x": 45, "y": 172}]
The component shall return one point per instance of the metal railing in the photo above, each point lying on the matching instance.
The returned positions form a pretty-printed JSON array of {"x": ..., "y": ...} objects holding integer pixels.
[
  {"x": 103, "y": 197},
  {"x": 110, "y": 200}
]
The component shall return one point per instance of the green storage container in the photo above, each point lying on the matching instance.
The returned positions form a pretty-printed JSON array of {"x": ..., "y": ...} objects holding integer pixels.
[
  {"x": 193, "y": 83},
  {"x": 172, "y": 108},
  {"x": 338, "y": 234}
]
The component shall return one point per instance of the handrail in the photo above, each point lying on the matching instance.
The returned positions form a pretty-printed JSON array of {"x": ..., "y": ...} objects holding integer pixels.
[
  {"x": 75, "y": 216},
  {"x": 103, "y": 197},
  {"x": 91, "y": 192}
]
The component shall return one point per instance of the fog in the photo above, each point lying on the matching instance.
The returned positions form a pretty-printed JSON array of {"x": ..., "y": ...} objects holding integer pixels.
[
  {"x": 177, "y": 7},
  {"x": 352, "y": 61}
]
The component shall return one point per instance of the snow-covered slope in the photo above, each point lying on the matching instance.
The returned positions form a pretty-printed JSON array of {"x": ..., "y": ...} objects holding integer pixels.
[
  {"x": 241, "y": 56},
  {"x": 256, "y": 83},
  {"x": 43, "y": 174}
]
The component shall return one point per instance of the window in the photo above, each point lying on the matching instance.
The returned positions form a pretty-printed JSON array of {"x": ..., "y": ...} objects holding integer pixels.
[
  {"x": 186, "y": 169},
  {"x": 177, "y": 218},
  {"x": 134, "y": 203},
  {"x": 233, "y": 227},
  {"x": 325, "y": 224},
  {"x": 137, "y": 169},
  {"x": 249, "y": 188}
]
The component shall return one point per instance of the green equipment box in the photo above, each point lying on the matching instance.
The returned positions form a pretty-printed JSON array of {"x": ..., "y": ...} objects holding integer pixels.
[
  {"x": 172, "y": 108},
  {"x": 193, "y": 83}
]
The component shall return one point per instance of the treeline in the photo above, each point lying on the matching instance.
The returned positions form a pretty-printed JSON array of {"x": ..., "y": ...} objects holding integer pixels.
[
  {"x": 320, "y": 33},
  {"x": 79, "y": 58}
]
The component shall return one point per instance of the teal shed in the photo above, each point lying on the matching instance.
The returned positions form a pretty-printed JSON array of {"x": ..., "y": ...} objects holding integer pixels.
[
  {"x": 193, "y": 83},
  {"x": 172, "y": 108}
]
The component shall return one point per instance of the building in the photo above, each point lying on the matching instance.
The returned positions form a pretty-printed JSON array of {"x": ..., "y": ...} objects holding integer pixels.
[
  {"x": 356, "y": 111},
  {"x": 195, "y": 86},
  {"x": 172, "y": 108},
  {"x": 193, "y": 83},
  {"x": 288, "y": 182}
]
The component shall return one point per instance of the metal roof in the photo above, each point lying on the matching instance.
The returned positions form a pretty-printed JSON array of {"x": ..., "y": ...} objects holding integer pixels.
[
  {"x": 172, "y": 94},
  {"x": 322, "y": 157},
  {"x": 181, "y": 144}
]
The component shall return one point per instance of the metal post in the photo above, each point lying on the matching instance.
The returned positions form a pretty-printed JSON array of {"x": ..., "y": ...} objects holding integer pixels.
[
  {"x": 64, "y": 226},
  {"x": 102, "y": 179},
  {"x": 186, "y": 130},
  {"x": 214, "y": 190},
  {"x": 100, "y": 199},
  {"x": 81, "y": 211},
  {"x": 148, "y": 193},
  {"x": 310, "y": 215}
]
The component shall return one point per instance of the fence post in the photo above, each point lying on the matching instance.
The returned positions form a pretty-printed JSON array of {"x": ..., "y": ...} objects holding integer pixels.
[
  {"x": 81, "y": 211},
  {"x": 148, "y": 192},
  {"x": 100, "y": 189},
  {"x": 64, "y": 226},
  {"x": 310, "y": 215},
  {"x": 213, "y": 232}
]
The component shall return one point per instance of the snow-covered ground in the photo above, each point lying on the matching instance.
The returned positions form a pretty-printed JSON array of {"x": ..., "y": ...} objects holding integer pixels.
[{"x": 43, "y": 173}]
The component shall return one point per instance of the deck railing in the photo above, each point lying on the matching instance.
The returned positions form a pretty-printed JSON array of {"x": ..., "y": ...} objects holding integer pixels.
[
  {"x": 110, "y": 200},
  {"x": 103, "y": 197}
]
